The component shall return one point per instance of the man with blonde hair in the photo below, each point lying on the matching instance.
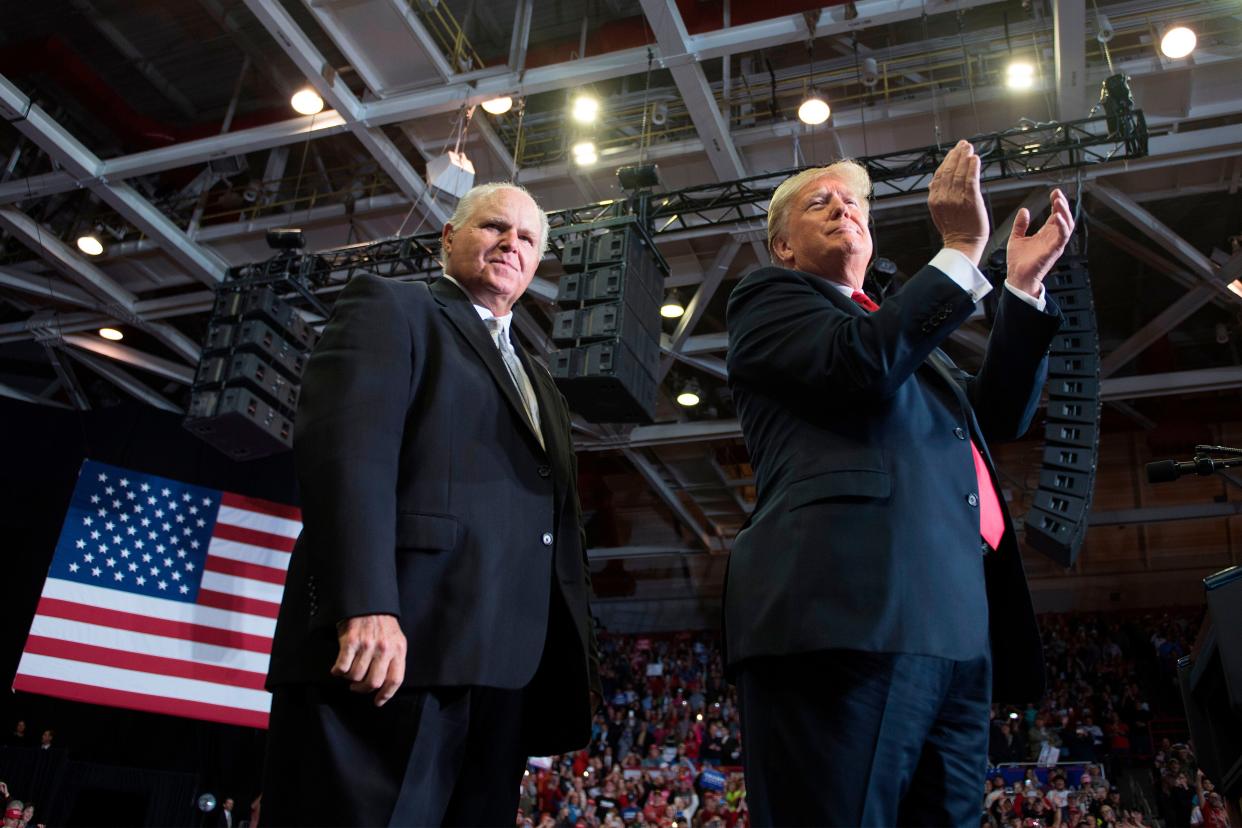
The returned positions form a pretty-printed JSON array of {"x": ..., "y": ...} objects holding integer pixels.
[
  {"x": 434, "y": 630},
  {"x": 879, "y": 559}
]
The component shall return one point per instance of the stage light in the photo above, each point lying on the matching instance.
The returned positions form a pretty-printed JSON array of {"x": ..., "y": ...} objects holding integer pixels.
[
  {"x": 306, "y": 102},
  {"x": 1020, "y": 75},
  {"x": 585, "y": 109},
  {"x": 1178, "y": 42},
  {"x": 1235, "y": 286},
  {"x": 90, "y": 244},
  {"x": 584, "y": 153},
  {"x": 112, "y": 334},
  {"x": 814, "y": 109},
  {"x": 498, "y": 106},
  {"x": 690, "y": 395},
  {"x": 673, "y": 308}
]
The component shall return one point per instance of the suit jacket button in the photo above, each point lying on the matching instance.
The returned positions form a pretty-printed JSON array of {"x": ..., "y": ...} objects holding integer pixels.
[
  {"x": 972, "y": 499},
  {"x": 545, "y": 471},
  {"x": 959, "y": 433},
  {"x": 547, "y": 538}
]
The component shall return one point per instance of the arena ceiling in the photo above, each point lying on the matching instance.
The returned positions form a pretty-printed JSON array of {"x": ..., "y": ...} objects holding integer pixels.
[{"x": 165, "y": 127}]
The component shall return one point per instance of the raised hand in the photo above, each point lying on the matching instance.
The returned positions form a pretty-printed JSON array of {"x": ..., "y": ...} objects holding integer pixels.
[
  {"x": 371, "y": 655},
  {"x": 1029, "y": 258},
  {"x": 956, "y": 202}
]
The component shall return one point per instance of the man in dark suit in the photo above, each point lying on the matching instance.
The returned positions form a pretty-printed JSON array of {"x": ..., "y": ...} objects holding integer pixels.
[
  {"x": 435, "y": 629},
  {"x": 860, "y": 595}
]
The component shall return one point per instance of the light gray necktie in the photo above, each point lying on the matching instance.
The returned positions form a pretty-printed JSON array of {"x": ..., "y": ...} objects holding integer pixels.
[{"x": 517, "y": 373}]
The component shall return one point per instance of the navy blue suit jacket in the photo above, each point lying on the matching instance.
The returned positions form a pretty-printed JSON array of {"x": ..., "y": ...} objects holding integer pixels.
[{"x": 865, "y": 533}]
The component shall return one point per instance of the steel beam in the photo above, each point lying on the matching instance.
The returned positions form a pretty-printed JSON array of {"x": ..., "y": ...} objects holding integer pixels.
[
  {"x": 1069, "y": 26},
  {"x": 46, "y": 288},
  {"x": 132, "y": 356},
  {"x": 25, "y": 396},
  {"x": 712, "y": 279},
  {"x": 335, "y": 93},
  {"x": 68, "y": 379},
  {"x": 1175, "y": 383},
  {"x": 123, "y": 380},
  {"x": 45, "y": 243},
  {"x": 1163, "y": 514},
  {"x": 652, "y": 475}
]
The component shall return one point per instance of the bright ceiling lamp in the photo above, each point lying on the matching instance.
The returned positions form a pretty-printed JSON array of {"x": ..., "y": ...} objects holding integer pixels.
[
  {"x": 498, "y": 106},
  {"x": 585, "y": 109},
  {"x": 1178, "y": 42},
  {"x": 814, "y": 109},
  {"x": 584, "y": 153},
  {"x": 112, "y": 334},
  {"x": 672, "y": 307},
  {"x": 690, "y": 395},
  {"x": 1020, "y": 75},
  {"x": 306, "y": 102},
  {"x": 90, "y": 245}
]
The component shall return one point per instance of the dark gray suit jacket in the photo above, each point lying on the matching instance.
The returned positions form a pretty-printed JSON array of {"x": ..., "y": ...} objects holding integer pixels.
[
  {"x": 427, "y": 495},
  {"x": 865, "y": 534}
]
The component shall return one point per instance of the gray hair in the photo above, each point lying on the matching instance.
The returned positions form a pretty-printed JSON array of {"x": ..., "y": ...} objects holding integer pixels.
[
  {"x": 853, "y": 174},
  {"x": 468, "y": 203}
]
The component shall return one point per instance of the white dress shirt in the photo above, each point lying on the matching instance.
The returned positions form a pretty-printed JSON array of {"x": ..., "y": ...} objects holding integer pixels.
[{"x": 963, "y": 272}]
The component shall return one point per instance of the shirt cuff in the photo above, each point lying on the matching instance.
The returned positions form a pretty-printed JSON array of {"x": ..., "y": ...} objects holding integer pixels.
[
  {"x": 963, "y": 272},
  {"x": 1039, "y": 302}
]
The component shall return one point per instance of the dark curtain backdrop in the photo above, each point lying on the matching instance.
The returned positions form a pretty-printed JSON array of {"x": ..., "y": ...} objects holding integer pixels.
[{"x": 42, "y": 450}]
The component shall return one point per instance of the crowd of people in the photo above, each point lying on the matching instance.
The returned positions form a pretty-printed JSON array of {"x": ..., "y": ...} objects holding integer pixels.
[
  {"x": 666, "y": 747},
  {"x": 17, "y": 814}
]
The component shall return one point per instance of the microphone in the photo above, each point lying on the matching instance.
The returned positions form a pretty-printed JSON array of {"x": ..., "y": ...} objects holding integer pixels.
[{"x": 1162, "y": 471}]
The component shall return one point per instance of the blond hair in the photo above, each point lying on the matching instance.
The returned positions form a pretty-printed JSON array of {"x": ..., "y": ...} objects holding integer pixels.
[{"x": 847, "y": 170}]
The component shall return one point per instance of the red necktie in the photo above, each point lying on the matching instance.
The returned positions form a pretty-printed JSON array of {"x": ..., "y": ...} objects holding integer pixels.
[{"x": 991, "y": 519}]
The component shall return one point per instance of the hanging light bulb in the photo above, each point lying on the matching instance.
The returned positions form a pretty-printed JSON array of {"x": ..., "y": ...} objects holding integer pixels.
[
  {"x": 498, "y": 106},
  {"x": 672, "y": 307},
  {"x": 306, "y": 102},
  {"x": 585, "y": 109},
  {"x": 814, "y": 109},
  {"x": 1178, "y": 42},
  {"x": 112, "y": 334},
  {"x": 584, "y": 153},
  {"x": 690, "y": 395},
  {"x": 90, "y": 244},
  {"x": 1020, "y": 74}
]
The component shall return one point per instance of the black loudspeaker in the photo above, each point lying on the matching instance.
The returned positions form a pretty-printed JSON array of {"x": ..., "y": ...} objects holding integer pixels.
[
  {"x": 608, "y": 328},
  {"x": 1211, "y": 682},
  {"x": 245, "y": 393},
  {"x": 1057, "y": 521}
]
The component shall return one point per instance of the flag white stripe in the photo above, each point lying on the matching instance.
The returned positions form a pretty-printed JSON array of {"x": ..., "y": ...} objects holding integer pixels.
[
  {"x": 93, "y": 596},
  {"x": 259, "y": 521},
  {"x": 243, "y": 587},
  {"x": 148, "y": 644},
  {"x": 248, "y": 553},
  {"x": 136, "y": 681}
]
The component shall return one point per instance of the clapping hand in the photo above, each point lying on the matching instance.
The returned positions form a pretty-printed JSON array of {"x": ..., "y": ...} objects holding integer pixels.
[
  {"x": 956, "y": 202},
  {"x": 1029, "y": 258}
]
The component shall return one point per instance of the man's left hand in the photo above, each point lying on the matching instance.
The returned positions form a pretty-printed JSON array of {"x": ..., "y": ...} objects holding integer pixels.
[{"x": 1029, "y": 258}]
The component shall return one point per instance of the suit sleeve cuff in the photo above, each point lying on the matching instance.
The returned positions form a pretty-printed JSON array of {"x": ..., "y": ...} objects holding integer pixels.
[
  {"x": 963, "y": 272},
  {"x": 1039, "y": 302}
]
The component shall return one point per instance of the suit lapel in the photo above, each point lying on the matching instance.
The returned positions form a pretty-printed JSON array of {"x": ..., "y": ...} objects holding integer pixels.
[{"x": 458, "y": 308}]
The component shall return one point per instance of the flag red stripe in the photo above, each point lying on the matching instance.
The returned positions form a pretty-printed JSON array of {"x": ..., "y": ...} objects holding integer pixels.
[
  {"x": 56, "y": 608},
  {"x": 254, "y": 537},
  {"x": 236, "y": 603},
  {"x": 255, "y": 504},
  {"x": 161, "y": 665},
  {"x": 140, "y": 701},
  {"x": 244, "y": 569}
]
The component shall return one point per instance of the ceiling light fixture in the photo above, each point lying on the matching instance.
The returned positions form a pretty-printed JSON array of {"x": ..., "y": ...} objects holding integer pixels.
[
  {"x": 112, "y": 334},
  {"x": 584, "y": 153},
  {"x": 1020, "y": 75},
  {"x": 585, "y": 109},
  {"x": 672, "y": 307},
  {"x": 306, "y": 102},
  {"x": 1178, "y": 42},
  {"x": 814, "y": 109},
  {"x": 498, "y": 106},
  {"x": 90, "y": 244},
  {"x": 690, "y": 395}
]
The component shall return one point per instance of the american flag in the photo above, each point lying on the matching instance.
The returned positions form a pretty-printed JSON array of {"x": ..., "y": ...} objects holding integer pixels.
[{"x": 162, "y": 596}]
